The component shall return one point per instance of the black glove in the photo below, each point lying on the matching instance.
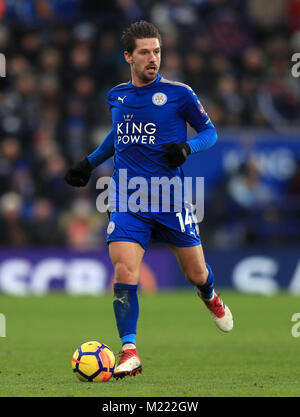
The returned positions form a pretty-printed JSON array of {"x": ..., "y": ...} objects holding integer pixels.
[
  {"x": 79, "y": 174},
  {"x": 177, "y": 153}
]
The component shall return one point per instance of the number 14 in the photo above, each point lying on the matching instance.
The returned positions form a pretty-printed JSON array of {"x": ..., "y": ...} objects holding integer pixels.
[{"x": 188, "y": 220}]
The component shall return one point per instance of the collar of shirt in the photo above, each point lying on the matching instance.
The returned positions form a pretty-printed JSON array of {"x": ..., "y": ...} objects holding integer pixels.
[{"x": 148, "y": 86}]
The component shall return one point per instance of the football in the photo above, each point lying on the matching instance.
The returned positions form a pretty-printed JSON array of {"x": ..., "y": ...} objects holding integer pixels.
[{"x": 93, "y": 362}]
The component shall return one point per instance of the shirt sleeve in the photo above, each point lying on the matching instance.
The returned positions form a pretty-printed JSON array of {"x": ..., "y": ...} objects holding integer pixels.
[
  {"x": 193, "y": 112},
  {"x": 104, "y": 151},
  {"x": 204, "y": 139}
]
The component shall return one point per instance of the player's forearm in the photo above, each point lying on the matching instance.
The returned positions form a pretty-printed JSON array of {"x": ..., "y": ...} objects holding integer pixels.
[
  {"x": 104, "y": 151},
  {"x": 204, "y": 139}
]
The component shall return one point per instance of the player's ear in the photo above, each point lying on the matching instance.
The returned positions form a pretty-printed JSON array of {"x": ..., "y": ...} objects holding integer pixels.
[{"x": 128, "y": 57}]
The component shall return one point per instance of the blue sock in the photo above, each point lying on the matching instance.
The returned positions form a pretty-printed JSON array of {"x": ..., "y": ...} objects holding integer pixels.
[
  {"x": 207, "y": 290},
  {"x": 126, "y": 308}
]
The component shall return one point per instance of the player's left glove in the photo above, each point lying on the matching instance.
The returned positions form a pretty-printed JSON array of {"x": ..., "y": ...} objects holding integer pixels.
[{"x": 177, "y": 153}]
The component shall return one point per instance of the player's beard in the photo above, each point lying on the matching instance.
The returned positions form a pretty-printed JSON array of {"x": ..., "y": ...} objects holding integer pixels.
[{"x": 146, "y": 77}]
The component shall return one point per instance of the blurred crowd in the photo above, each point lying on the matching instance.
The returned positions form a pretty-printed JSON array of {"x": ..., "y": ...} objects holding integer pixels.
[
  {"x": 63, "y": 56},
  {"x": 244, "y": 211}
]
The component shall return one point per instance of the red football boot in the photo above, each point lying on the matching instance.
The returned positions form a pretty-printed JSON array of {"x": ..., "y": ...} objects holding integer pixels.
[
  {"x": 220, "y": 313},
  {"x": 129, "y": 364}
]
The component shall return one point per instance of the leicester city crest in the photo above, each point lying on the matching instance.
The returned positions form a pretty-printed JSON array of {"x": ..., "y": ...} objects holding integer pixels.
[
  {"x": 159, "y": 99},
  {"x": 111, "y": 227}
]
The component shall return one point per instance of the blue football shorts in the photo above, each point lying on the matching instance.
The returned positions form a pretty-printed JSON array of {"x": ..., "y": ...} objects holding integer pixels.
[{"x": 178, "y": 229}]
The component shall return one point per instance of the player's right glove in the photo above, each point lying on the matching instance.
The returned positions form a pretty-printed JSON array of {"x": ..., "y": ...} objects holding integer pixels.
[{"x": 79, "y": 174}]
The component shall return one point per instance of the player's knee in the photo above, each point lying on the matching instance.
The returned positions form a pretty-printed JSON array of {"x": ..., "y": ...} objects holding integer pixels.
[
  {"x": 124, "y": 274},
  {"x": 197, "y": 275}
]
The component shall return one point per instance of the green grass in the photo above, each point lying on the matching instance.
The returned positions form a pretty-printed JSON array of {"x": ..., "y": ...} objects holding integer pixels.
[{"x": 182, "y": 351}]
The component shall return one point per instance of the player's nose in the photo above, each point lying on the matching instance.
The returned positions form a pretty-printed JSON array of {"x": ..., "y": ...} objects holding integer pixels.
[{"x": 153, "y": 58}]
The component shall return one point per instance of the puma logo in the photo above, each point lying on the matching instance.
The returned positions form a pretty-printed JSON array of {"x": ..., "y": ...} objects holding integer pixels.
[
  {"x": 119, "y": 299},
  {"x": 122, "y": 99}
]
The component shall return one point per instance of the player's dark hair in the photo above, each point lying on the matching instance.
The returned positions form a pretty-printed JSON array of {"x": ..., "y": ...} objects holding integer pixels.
[{"x": 139, "y": 30}]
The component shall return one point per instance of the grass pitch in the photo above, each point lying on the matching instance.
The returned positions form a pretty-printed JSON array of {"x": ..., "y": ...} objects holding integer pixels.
[{"x": 183, "y": 353}]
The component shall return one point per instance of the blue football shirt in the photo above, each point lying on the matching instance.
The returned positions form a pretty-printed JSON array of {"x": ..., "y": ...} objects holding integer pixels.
[{"x": 145, "y": 118}]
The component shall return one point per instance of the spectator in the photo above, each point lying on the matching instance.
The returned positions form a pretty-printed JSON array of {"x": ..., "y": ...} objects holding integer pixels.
[
  {"x": 246, "y": 190},
  {"x": 241, "y": 204},
  {"x": 14, "y": 232},
  {"x": 83, "y": 226},
  {"x": 44, "y": 228}
]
